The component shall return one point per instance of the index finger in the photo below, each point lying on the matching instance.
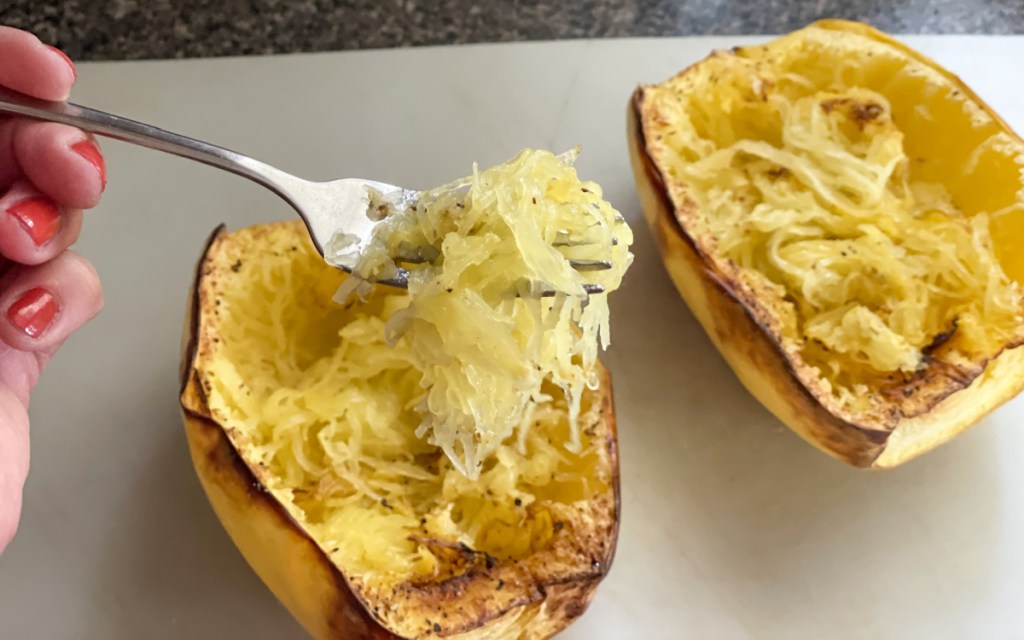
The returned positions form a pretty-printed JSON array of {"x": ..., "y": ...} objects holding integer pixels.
[{"x": 33, "y": 68}]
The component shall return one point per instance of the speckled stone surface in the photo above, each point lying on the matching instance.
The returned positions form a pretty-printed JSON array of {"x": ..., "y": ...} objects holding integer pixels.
[{"x": 137, "y": 29}]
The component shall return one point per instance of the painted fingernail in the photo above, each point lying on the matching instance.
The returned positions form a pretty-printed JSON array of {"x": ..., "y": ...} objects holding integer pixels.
[
  {"x": 40, "y": 217},
  {"x": 88, "y": 150},
  {"x": 33, "y": 312},
  {"x": 71, "y": 65}
]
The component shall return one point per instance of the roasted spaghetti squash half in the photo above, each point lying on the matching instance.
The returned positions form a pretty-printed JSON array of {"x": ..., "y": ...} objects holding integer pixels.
[
  {"x": 844, "y": 217},
  {"x": 437, "y": 461}
]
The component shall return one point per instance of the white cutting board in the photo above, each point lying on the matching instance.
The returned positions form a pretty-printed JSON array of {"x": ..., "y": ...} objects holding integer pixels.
[{"x": 732, "y": 527}]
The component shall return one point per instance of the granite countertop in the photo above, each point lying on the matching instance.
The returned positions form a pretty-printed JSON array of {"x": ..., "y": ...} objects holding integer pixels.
[{"x": 139, "y": 29}]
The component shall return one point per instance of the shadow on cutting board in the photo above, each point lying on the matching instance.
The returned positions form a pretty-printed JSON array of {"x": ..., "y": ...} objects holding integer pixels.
[
  {"x": 183, "y": 577},
  {"x": 780, "y": 532}
]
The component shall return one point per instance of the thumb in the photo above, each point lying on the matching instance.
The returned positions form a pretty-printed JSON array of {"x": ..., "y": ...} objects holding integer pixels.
[
  {"x": 35, "y": 326},
  {"x": 29, "y": 66}
]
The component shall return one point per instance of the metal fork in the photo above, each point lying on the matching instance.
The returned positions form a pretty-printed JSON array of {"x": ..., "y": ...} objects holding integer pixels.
[{"x": 325, "y": 207}]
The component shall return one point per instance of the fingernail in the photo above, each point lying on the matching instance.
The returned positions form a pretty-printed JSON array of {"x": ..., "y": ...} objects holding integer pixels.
[
  {"x": 88, "y": 150},
  {"x": 40, "y": 217},
  {"x": 33, "y": 311},
  {"x": 71, "y": 65}
]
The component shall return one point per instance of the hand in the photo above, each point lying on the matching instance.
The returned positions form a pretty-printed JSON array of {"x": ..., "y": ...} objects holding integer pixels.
[{"x": 49, "y": 173}]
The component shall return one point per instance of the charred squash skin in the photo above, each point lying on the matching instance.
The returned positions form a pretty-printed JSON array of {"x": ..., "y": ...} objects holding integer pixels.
[
  {"x": 305, "y": 580},
  {"x": 746, "y": 339}
]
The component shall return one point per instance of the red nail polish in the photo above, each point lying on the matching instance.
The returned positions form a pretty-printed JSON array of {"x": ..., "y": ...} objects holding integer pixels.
[
  {"x": 88, "y": 150},
  {"x": 33, "y": 311},
  {"x": 71, "y": 65},
  {"x": 40, "y": 217}
]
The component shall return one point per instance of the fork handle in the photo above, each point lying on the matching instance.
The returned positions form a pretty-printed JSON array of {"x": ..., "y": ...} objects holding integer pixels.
[{"x": 112, "y": 126}]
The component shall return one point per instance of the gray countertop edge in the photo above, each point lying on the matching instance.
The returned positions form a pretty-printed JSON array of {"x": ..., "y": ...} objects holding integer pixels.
[{"x": 159, "y": 29}]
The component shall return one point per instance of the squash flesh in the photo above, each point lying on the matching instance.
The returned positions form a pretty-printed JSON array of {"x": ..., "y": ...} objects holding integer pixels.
[
  {"x": 486, "y": 353},
  {"x": 299, "y": 383},
  {"x": 719, "y": 134}
]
